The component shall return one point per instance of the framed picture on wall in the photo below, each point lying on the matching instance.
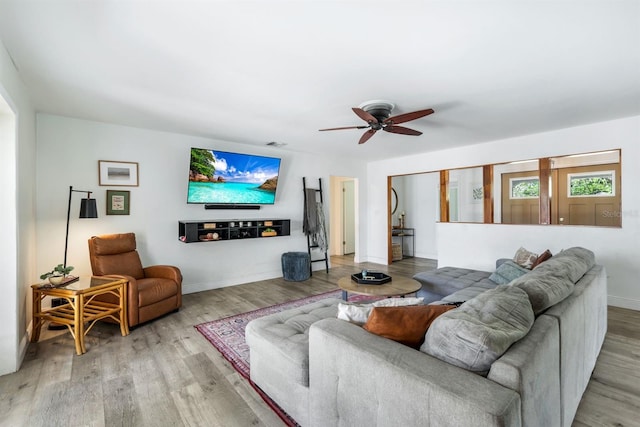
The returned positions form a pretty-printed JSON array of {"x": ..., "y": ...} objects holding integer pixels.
[
  {"x": 477, "y": 193},
  {"x": 123, "y": 174},
  {"x": 118, "y": 202}
]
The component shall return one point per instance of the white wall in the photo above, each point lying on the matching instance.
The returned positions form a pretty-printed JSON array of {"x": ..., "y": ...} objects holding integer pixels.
[
  {"x": 68, "y": 154},
  {"x": 478, "y": 245},
  {"x": 17, "y": 238}
]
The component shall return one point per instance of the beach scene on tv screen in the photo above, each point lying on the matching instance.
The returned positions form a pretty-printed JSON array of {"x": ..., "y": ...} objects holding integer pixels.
[{"x": 224, "y": 177}]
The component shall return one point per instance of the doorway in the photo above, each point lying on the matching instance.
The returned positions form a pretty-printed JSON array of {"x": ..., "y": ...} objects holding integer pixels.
[
  {"x": 588, "y": 195},
  {"x": 348, "y": 218},
  {"x": 343, "y": 216}
]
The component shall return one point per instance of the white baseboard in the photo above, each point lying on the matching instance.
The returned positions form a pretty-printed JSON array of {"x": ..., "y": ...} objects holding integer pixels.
[{"x": 632, "y": 304}]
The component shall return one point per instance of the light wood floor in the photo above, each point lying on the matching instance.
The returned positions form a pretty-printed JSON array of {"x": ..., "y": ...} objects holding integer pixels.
[{"x": 166, "y": 374}]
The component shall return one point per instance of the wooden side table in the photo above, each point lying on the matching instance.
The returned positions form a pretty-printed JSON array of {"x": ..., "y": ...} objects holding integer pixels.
[{"x": 82, "y": 310}]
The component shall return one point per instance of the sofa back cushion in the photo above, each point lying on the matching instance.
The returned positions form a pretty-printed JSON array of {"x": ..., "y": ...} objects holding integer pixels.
[
  {"x": 480, "y": 330},
  {"x": 553, "y": 281}
]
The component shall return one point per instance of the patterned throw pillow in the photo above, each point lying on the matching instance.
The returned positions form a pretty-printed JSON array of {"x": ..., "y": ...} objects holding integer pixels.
[
  {"x": 507, "y": 272},
  {"x": 525, "y": 258}
]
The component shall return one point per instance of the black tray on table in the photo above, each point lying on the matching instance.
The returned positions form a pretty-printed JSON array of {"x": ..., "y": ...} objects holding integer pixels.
[{"x": 371, "y": 278}]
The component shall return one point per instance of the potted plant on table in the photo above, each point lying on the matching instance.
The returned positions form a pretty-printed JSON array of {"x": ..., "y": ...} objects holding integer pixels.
[{"x": 57, "y": 275}]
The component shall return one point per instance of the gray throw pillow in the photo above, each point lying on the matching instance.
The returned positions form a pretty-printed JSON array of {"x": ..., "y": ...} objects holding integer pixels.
[
  {"x": 507, "y": 272},
  {"x": 477, "y": 333}
]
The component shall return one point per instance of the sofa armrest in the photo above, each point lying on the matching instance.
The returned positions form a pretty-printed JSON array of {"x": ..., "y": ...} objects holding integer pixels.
[
  {"x": 164, "y": 272},
  {"x": 360, "y": 379}
]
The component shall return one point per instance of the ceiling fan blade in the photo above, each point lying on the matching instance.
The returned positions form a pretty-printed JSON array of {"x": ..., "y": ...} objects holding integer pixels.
[
  {"x": 364, "y": 115},
  {"x": 346, "y": 127},
  {"x": 406, "y": 117},
  {"x": 365, "y": 137},
  {"x": 401, "y": 129}
]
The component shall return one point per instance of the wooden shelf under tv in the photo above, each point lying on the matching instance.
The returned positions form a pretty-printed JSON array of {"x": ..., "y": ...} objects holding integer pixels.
[{"x": 232, "y": 229}]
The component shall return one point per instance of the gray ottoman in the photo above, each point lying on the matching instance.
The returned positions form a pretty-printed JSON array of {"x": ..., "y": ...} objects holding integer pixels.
[
  {"x": 296, "y": 266},
  {"x": 279, "y": 354}
]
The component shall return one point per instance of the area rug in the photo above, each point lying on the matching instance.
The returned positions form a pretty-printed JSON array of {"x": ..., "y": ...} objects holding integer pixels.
[{"x": 227, "y": 336}]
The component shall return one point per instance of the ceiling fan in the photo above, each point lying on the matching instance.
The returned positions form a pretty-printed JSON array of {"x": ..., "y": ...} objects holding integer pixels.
[{"x": 377, "y": 114}]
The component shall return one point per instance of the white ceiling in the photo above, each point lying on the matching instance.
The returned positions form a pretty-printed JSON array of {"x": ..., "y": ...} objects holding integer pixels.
[{"x": 257, "y": 71}]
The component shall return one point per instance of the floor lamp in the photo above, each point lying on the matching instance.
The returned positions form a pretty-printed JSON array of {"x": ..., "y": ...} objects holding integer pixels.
[{"x": 88, "y": 209}]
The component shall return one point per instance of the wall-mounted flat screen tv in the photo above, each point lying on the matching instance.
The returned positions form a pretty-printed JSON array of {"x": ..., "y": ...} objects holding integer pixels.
[{"x": 225, "y": 178}]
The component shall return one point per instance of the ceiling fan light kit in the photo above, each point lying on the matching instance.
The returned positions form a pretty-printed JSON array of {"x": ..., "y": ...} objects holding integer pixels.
[{"x": 377, "y": 114}]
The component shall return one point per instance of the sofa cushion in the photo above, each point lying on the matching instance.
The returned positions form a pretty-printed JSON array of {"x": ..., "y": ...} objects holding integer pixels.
[
  {"x": 406, "y": 325},
  {"x": 553, "y": 280},
  {"x": 446, "y": 280},
  {"x": 507, "y": 272},
  {"x": 544, "y": 290},
  {"x": 481, "y": 330},
  {"x": 573, "y": 262}
]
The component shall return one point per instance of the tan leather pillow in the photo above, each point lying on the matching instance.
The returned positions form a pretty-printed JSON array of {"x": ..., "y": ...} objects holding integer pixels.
[
  {"x": 406, "y": 325},
  {"x": 542, "y": 258}
]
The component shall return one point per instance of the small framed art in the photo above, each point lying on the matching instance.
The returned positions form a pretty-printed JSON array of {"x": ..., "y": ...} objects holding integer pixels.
[
  {"x": 123, "y": 174},
  {"x": 118, "y": 202}
]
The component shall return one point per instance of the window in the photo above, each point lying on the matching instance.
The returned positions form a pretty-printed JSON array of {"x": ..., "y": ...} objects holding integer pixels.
[
  {"x": 597, "y": 184},
  {"x": 524, "y": 188}
]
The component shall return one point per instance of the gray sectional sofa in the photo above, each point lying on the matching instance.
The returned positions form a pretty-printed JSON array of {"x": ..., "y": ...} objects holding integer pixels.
[{"x": 328, "y": 372}]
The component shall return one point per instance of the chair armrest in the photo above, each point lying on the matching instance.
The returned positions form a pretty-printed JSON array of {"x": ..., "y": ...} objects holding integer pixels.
[{"x": 164, "y": 272}]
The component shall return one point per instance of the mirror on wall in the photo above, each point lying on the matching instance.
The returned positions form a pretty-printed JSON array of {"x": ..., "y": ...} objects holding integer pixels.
[
  {"x": 417, "y": 197},
  {"x": 465, "y": 193}
]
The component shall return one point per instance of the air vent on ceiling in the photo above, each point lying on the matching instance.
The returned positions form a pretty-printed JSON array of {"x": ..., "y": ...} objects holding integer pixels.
[{"x": 276, "y": 144}]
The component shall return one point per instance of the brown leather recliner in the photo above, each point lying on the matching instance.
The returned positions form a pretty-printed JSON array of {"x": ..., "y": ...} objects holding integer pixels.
[{"x": 152, "y": 291}]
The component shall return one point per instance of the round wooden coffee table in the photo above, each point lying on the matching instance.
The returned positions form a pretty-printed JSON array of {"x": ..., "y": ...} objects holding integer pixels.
[{"x": 398, "y": 286}]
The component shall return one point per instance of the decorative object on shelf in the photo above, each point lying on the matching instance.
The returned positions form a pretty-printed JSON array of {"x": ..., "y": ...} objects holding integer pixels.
[
  {"x": 57, "y": 275},
  {"x": 209, "y": 237},
  {"x": 477, "y": 193},
  {"x": 88, "y": 209},
  {"x": 401, "y": 220},
  {"x": 267, "y": 232},
  {"x": 124, "y": 174},
  {"x": 118, "y": 202}
]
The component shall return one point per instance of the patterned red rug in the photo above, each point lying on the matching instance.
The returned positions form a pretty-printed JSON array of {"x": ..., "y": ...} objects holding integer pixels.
[{"x": 227, "y": 336}]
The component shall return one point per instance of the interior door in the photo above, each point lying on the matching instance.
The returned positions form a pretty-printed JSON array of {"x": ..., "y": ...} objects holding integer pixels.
[
  {"x": 348, "y": 219},
  {"x": 601, "y": 209},
  {"x": 519, "y": 208}
]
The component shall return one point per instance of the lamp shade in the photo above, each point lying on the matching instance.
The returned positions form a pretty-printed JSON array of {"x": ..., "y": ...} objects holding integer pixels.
[{"x": 88, "y": 208}]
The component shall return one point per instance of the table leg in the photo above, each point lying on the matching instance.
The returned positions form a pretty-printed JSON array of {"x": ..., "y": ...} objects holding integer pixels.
[
  {"x": 124, "y": 315},
  {"x": 78, "y": 326},
  {"x": 36, "y": 319}
]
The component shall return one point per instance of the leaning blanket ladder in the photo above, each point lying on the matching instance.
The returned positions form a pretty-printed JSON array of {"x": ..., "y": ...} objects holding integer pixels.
[{"x": 314, "y": 223}]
